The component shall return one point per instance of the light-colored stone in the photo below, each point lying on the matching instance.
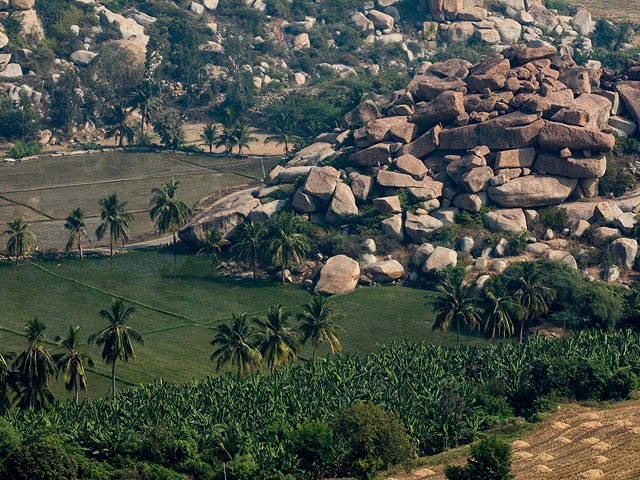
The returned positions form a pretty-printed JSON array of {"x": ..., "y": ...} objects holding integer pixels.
[
  {"x": 321, "y": 182},
  {"x": 11, "y": 71},
  {"x": 267, "y": 210},
  {"x": 301, "y": 41},
  {"x": 418, "y": 227},
  {"x": 533, "y": 191},
  {"x": 625, "y": 251},
  {"x": 422, "y": 253},
  {"x": 339, "y": 275},
  {"x": 412, "y": 166},
  {"x": 361, "y": 187},
  {"x": 607, "y": 211},
  {"x": 83, "y": 57},
  {"x": 386, "y": 205},
  {"x": 210, "y": 4},
  {"x": 579, "y": 228},
  {"x": 384, "y": 271},
  {"x": 440, "y": 259},
  {"x": 506, "y": 220},
  {"x": 392, "y": 226},
  {"x": 342, "y": 205},
  {"x": 605, "y": 233}
]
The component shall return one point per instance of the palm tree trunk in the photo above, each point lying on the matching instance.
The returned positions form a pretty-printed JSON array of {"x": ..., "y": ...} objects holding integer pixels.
[
  {"x": 144, "y": 111},
  {"x": 283, "y": 273},
  {"x": 174, "y": 238},
  {"x": 521, "y": 330},
  {"x": 315, "y": 349},
  {"x": 111, "y": 247},
  {"x": 80, "y": 248},
  {"x": 76, "y": 395},
  {"x": 458, "y": 332},
  {"x": 120, "y": 141},
  {"x": 213, "y": 265},
  {"x": 113, "y": 380},
  {"x": 253, "y": 267}
]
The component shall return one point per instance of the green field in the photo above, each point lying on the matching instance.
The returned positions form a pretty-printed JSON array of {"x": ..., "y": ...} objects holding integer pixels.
[{"x": 177, "y": 304}]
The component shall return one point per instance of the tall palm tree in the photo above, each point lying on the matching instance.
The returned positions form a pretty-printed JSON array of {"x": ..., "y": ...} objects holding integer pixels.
[
  {"x": 145, "y": 99},
  {"x": 34, "y": 367},
  {"x": 167, "y": 212},
  {"x": 20, "y": 238},
  {"x": 278, "y": 341},
  {"x": 455, "y": 304},
  {"x": 242, "y": 136},
  {"x": 213, "y": 243},
  {"x": 283, "y": 131},
  {"x": 226, "y": 140},
  {"x": 7, "y": 381},
  {"x": 72, "y": 362},
  {"x": 501, "y": 311},
  {"x": 116, "y": 120},
  {"x": 250, "y": 241},
  {"x": 532, "y": 294},
  {"x": 117, "y": 338},
  {"x": 233, "y": 347},
  {"x": 209, "y": 136},
  {"x": 115, "y": 217},
  {"x": 287, "y": 244},
  {"x": 319, "y": 325},
  {"x": 75, "y": 225}
]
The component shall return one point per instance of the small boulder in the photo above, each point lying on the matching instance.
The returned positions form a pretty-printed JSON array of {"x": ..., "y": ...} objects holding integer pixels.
[
  {"x": 339, "y": 275},
  {"x": 625, "y": 251},
  {"x": 385, "y": 271},
  {"x": 440, "y": 259}
]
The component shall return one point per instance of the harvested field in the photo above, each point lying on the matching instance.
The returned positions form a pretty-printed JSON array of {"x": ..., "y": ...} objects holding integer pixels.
[
  {"x": 578, "y": 443},
  {"x": 624, "y": 10}
]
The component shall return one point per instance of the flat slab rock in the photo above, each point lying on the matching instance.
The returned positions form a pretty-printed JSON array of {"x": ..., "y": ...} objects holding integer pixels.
[
  {"x": 384, "y": 271},
  {"x": 533, "y": 191}
]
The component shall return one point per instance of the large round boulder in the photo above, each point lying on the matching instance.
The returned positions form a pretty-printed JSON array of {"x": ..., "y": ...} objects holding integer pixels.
[{"x": 339, "y": 275}]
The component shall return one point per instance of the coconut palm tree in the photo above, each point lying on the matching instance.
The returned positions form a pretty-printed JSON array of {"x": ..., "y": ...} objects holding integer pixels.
[
  {"x": 532, "y": 294},
  {"x": 250, "y": 241},
  {"x": 116, "y": 120},
  {"x": 145, "y": 99},
  {"x": 72, "y": 362},
  {"x": 209, "y": 136},
  {"x": 167, "y": 212},
  {"x": 115, "y": 217},
  {"x": 34, "y": 367},
  {"x": 455, "y": 304},
  {"x": 213, "y": 243},
  {"x": 233, "y": 347},
  {"x": 20, "y": 238},
  {"x": 226, "y": 140},
  {"x": 287, "y": 244},
  {"x": 242, "y": 136},
  {"x": 319, "y": 325},
  {"x": 282, "y": 127},
  {"x": 501, "y": 310},
  {"x": 7, "y": 381},
  {"x": 77, "y": 231},
  {"x": 117, "y": 338},
  {"x": 278, "y": 341}
]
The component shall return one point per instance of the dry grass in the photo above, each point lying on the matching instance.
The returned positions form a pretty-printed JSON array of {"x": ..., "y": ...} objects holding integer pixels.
[
  {"x": 579, "y": 443},
  {"x": 628, "y": 10}
]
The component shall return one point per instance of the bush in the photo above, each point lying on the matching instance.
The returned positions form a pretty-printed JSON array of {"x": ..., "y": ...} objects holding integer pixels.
[
  {"x": 490, "y": 460},
  {"x": 317, "y": 447},
  {"x": 555, "y": 218},
  {"x": 471, "y": 219},
  {"x": 562, "y": 6},
  {"x": 25, "y": 149},
  {"x": 9, "y": 440},
  {"x": 45, "y": 460},
  {"x": 374, "y": 437}
]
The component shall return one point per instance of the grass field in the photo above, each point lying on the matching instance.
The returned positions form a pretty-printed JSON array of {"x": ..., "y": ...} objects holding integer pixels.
[
  {"x": 178, "y": 302},
  {"x": 45, "y": 190}
]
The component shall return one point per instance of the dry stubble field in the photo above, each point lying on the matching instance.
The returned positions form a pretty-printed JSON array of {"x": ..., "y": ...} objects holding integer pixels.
[{"x": 627, "y": 10}]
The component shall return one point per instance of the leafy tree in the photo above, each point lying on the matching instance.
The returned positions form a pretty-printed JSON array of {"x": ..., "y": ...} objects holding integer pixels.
[
  {"x": 77, "y": 229},
  {"x": 167, "y": 212},
  {"x": 169, "y": 128},
  {"x": 319, "y": 325},
  {"x": 283, "y": 128},
  {"x": 117, "y": 338},
  {"x": 278, "y": 340},
  {"x": 43, "y": 460},
  {"x": 242, "y": 136},
  {"x": 500, "y": 314},
  {"x": 115, "y": 217},
  {"x": 233, "y": 348},
  {"x": 34, "y": 367},
  {"x": 213, "y": 243},
  {"x": 146, "y": 100},
  {"x": 72, "y": 362},
  {"x": 20, "y": 238},
  {"x": 116, "y": 120},
  {"x": 490, "y": 460},
  {"x": 7, "y": 382},
  {"x": 209, "y": 135},
  {"x": 251, "y": 239},
  {"x": 455, "y": 303},
  {"x": 287, "y": 243},
  {"x": 67, "y": 102},
  {"x": 18, "y": 120}
]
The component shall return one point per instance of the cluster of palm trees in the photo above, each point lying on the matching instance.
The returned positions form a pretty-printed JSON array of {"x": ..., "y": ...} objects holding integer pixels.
[
  {"x": 271, "y": 341},
  {"x": 145, "y": 98},
  {"x": 234, "y": 133},
  {"x": 502, "y": 303}
]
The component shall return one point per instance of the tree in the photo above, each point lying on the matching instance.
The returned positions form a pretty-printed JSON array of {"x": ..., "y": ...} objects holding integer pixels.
[
  {"x": 250, "y": 240},
  {"x": 213, "y": 243},
  {"x": 7, "y": 381},
  {"x": 34, "y": 367},
  {"x": 283, "y": 128},
  {"x": 531, "y": 292},
  {"x": 20, "y": 238},
  {"x": 501, "y": 310},
  {"x": 490, "y": 460},
  {"x": 319, "y": 325},
  {"x": 115, "y": 217},
  {"x": 287, "y": 244},
  {"x": 278, "y": 341},
  {"x": 117, "y": 338},
  {"x": 455, "y": 303},
  {"x": 75, "y": 224},
  {"x": 209, "y": 136},
  {"x": 167, "y": 212},
  {"x": 145, "y": 99},
  {"x": 242, "y": 136},
  {"x": 226, "y": 140},
  {"x": 116, "y": 120},
  {"x": 72, "y": 362},
  {"x": 233, "y": 346},
  {"x": 169, "y": 128}
]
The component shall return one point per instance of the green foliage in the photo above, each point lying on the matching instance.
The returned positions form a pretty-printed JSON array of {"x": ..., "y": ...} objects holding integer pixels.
[
  {"x": 9, "y": 440},
  {"x": 466, "y": 218},
  {"x": 627, "y": 146},
  {"x": 617, "y": 180},
  {"x": 555, "y": 218},
  {"x": 446, "y": 234},
  {"x": 517, "y": 241},
  {"x": 562, "y": 6},
  {"x": 367, "y": 222},
  {"x": 25, "y": 149},
  {"x": 45, "y": 460},
  {"x": 17, "y": 120},
  {"x": 317, "y": 448},
  {"x": 610, "y": 35},
  {"x": 490, "y": 460},
  {"x": 169, "y": 128}
]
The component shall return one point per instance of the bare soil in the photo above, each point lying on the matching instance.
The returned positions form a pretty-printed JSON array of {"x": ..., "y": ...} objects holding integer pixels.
[{"x": 623, "y": 10}]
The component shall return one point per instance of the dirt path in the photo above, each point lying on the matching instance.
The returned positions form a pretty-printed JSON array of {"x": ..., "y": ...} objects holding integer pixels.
[{"x": 578, "y": 443}]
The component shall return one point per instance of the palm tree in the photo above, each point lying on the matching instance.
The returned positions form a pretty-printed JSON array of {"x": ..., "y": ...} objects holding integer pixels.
[
  {"x": 531, "y": 292},
  {"x": 287, "y": 242},
  {"x": 250, "y": 240},
  {"x": 117, "y": 338},
  {"x": 279, "y": 342},
  {"x": 455, "y": 303},
  {"x": 115, "y": 217},
  {"x": 20, "y": 238},
  {"x": 7, "y": 381},
  {"x": 282, "y": 128},
  {"x": 233, "y": 346},
  {"x": 75, "y": 225},
  {"x": 71, "y": 362},
  {"x": 242, "y": 136},
  {"x": 34, "y": 366},
  {"x": 209, "y": 136},
  {"x": 319, "y": 325},
  {"x": 144, "y": 98},
  {"x": 226, "y": 140},
  {"x": 501, "y": 310},
  {"x": 213, "y": 243},
  {"x": 116, "y": 120},
  {"x": 168, "y": 213}
]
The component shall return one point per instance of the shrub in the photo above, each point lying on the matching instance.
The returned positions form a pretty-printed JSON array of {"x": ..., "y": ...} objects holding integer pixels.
[
  {"x": 621, "y": 384},
  {"x": 562, "y": 6},
  {"x": 555, "y": 218},
  {"x": 446, "y": 234},
  {"x": 471, "y": 219},
  {"x": 490, "y": 460},
  {"x": 374, "y": 437},
  {"x": 25, "y": 149},
  {"x": 45, "y": 460},
  {"x": 9, "y": 440},
  {"x": 317, "y": 447}
]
